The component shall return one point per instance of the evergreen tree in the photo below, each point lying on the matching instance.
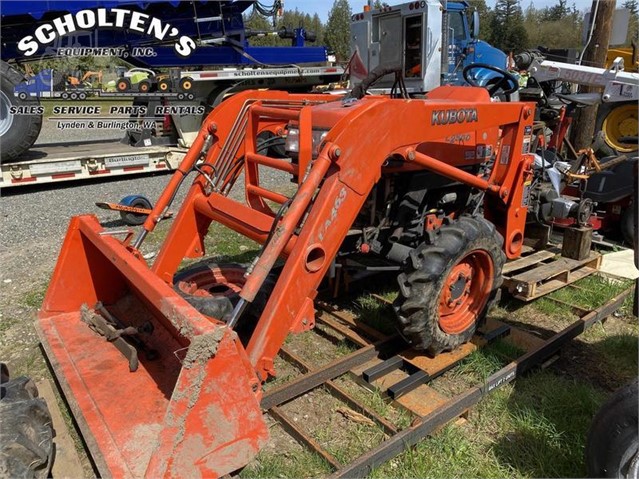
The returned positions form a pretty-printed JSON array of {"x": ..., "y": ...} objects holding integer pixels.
[
  {"x": 337, "y": 33},
  {"x": 562, "y": 32},
  {"x": 507, "y": 25},
  {"x": 485, "y": 17},
  {"x": 633, "y": 25}
]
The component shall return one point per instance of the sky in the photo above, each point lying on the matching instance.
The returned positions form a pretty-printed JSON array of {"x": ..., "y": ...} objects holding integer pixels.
[{"x": 322, "y": 7}]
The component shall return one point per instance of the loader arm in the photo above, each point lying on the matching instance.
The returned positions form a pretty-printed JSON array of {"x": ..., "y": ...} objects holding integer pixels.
[{"x": 345, "y": 185}]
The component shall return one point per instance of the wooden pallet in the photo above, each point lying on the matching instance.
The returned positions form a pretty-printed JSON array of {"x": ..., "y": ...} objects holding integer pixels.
[{"x": 538, "y": 273}]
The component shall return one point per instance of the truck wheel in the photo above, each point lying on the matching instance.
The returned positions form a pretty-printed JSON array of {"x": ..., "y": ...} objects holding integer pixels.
[
  {"x": 135, "y": 219},
  {"x": 449, "y": 284},
  {"x": 17, "y": 132},
  {"x": 612, "y": 447},
  {"x": 26, "y": 435},
  {"x": 214, "y": 290},
  {"x": 617, "y": 121}
]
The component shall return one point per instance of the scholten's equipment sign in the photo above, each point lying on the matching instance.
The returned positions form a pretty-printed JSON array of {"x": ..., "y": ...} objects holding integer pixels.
[{"x": 106, "y": 18}]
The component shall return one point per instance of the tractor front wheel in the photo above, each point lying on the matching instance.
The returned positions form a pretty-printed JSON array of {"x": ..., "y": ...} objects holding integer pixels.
[
  {"x": 214, "y": 290},
  {"x": 448, "y": 285}
]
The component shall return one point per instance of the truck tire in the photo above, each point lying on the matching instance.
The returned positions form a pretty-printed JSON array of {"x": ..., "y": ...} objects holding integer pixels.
[
  {"x": 448, "y": 285},
  {"x": 612, "y": 447},
  {"x": 213, "y": 289},
  {"x": 616, "y": 121},
  {"x": 26, "y": 435},
  {"x": 17, "y": 132}
]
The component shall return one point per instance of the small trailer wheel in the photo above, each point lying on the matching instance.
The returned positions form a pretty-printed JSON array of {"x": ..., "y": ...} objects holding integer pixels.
[
  {"x": 23, "y": 96},
  {"x": 135, "y": 201},
  {"x": 82, "y": 96}
]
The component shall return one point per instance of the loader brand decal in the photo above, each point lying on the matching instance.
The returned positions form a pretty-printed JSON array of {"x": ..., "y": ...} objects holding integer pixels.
[
  {"x": 446, "y": 117},
  {"x": 110, "y": 18},
  {"x": 336, "y": 206}
]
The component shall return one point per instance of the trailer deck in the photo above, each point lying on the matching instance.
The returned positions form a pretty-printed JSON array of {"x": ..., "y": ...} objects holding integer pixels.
[{"x": 57, "y": 162}]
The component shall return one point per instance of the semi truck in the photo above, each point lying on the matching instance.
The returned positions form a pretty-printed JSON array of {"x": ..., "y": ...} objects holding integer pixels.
[
  {"x": 431, "y": 40},
  {"x": 186, "y": 35}
]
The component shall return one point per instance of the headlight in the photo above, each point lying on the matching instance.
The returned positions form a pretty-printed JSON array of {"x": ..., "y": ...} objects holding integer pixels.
[{"x": 292, "y": 144}]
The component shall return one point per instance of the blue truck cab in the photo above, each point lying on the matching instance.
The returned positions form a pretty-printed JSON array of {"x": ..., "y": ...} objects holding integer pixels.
[{"x": 430, "y": 40}]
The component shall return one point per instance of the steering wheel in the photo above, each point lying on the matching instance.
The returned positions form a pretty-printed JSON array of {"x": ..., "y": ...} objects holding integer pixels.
[{"x": 505, "y": 79}]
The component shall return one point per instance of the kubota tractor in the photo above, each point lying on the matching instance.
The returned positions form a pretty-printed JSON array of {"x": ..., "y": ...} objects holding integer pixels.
[{"x": 439, "y": 186}]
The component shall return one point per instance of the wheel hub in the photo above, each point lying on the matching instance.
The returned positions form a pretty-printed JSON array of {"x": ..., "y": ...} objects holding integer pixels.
[{"x": 465, "y": 292}]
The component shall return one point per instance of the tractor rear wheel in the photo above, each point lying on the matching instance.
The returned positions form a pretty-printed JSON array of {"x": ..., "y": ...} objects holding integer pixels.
[
  {"x": 17, "y": 132},
  {"x": 26, "y": 435},
  {"x": 448, "y": 285}
]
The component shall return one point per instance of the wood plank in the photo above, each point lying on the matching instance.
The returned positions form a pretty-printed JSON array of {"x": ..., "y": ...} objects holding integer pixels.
[
  {"x": 518, "y": 337},
  {"x": 527, "y": 261},
  {"x": 67, "y": 461},
  {"x": 420, "y": 401},
  {"x": 553, "y": 269},
  {"x": 442, "y": 360},
  {"x": 555, "y": 284}
]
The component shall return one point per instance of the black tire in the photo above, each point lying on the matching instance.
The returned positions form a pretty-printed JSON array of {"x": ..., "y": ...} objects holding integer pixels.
[
  {"x": 18, "y": 132},
  {"x": 612, "y": 146},
  {"x": 123, "y": 84},
  {"x": 136, "y": 219},
  {"x": 426, "y": 274},
  {"x": 145, "y": 86},
  {"x": 164, "y": 85},
  {"x": 26, "y": 435},
  {"x": 613, "y": 443},
  {"x": 186, "y": 83},
  {"x": 221, "y": 300},
  {"x": 629, "y": 224}
]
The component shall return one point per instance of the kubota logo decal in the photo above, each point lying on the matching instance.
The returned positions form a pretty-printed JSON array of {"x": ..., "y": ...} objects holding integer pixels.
[
  {"x": 445, "y": 117},
  {"x": 106, "y": 18}
]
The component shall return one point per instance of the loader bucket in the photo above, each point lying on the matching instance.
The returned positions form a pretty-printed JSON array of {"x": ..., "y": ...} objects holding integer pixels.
[{"x": 192, "y": 411}]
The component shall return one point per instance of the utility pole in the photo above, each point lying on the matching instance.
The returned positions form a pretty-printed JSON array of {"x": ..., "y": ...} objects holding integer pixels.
[{"x": 594, "y": 56}]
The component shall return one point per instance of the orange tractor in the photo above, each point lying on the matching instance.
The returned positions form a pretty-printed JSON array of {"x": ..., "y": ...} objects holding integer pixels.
[{"x": 438, "y": 186}]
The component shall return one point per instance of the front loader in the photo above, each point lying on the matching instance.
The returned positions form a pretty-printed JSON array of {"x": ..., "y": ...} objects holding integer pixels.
[{"x": 164, "y": 371}]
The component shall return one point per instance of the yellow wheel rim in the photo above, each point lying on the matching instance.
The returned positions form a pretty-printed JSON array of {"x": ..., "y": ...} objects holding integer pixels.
[
  {"x": 621, "y": 122},
  {"x": 164, "y": 86},
  {"x": 186, "y": 85}
]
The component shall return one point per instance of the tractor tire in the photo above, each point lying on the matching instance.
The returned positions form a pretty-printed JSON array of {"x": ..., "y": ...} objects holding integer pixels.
[
  {"x": 26, "y": 435},
  {"x": 612, "y": 447},
  {"x": 136, "y": 219},
  {"x": 17, "y": 132},
  {"x": 123, "y": 84},
  {"x": 616, "y": 121},
  {"x": 448, "y": 285},
  {"x": 214, "y": 290}
]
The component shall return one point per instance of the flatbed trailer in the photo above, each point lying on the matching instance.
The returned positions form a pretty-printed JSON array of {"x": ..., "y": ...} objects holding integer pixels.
[{"x": 57, "y": 162}]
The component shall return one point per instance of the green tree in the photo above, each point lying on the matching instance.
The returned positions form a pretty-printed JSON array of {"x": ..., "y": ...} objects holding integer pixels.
[
  {"x": 633, "y": 26},
  {"x": 507, "y": 25},
  {"x": 317, "y": 27},
  {"x": 562, "y": 32},
  {"x": 337, "y": 32},
  {"x": 485, "y": 17}
]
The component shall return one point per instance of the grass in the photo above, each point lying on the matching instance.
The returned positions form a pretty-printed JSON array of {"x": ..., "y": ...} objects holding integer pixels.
[
  {"x": 300, "y": 464},
  {"x": 534, "y": 427}
]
